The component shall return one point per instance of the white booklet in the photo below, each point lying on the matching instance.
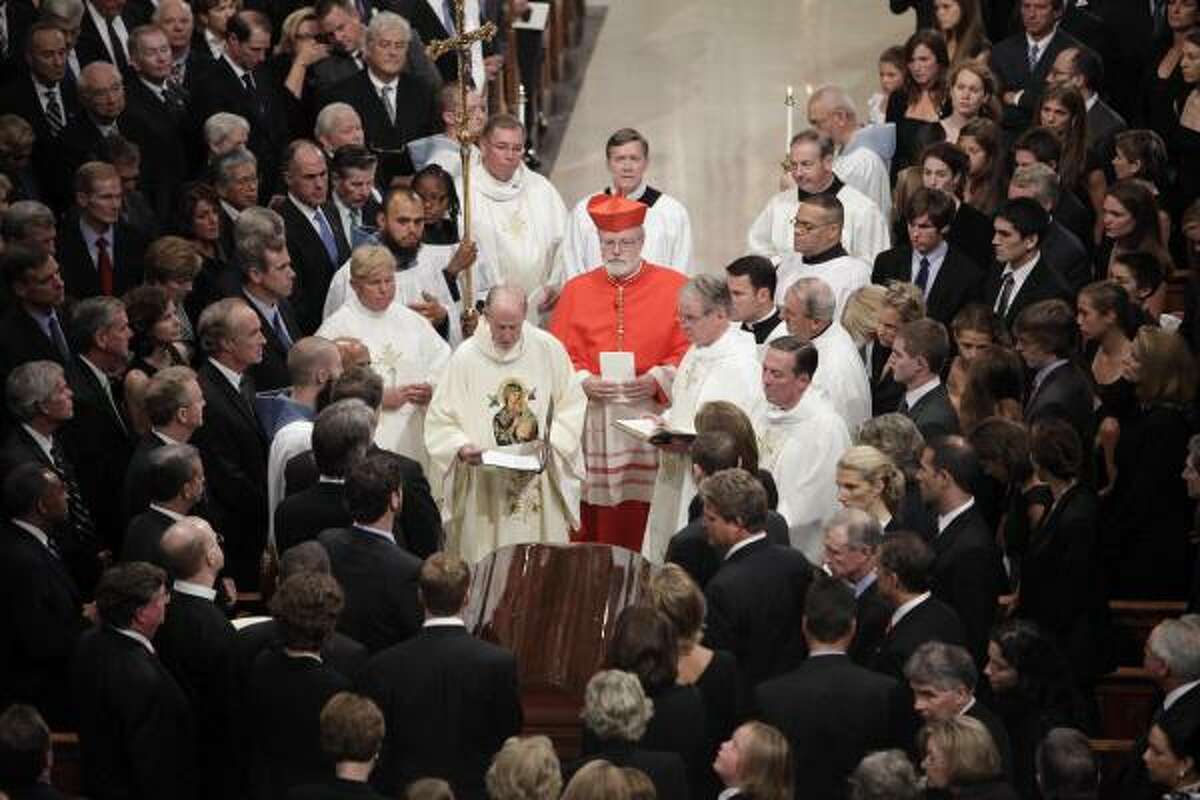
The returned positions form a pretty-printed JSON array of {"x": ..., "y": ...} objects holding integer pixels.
[
  {"x": 523, "y": 457},
  {"x": 616, "y": 365}
]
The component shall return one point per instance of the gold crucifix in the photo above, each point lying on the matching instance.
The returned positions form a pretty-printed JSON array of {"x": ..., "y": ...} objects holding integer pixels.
[{"x": 461, "y": 44}]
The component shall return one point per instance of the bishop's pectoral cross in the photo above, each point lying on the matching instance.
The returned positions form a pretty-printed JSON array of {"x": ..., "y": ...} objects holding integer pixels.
[{"x": 461, "y": 44}]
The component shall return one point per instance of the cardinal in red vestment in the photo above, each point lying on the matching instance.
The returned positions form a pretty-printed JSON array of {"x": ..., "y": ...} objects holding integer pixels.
[{"x": 627, "y": 306}]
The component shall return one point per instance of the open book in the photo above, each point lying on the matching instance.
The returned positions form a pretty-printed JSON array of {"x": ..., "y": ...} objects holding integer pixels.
[
  {"x": 649, "y": 430},
  {"x": 524, "y": 457}
]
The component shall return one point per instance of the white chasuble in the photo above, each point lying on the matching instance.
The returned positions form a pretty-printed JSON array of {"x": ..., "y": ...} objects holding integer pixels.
[
  {"x": 405, "y": 349},
  {"x": 488, "y": 399},
  {"x": 728, "y": 369}
]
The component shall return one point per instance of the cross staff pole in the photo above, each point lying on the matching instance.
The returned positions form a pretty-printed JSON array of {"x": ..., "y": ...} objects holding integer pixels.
[{"x": 461, "y": 44}]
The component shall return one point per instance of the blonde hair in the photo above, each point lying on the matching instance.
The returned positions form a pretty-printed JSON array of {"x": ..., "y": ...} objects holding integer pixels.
[
  {"x": 598, "y": 780},
  {"x": 969, "y": 749},
  {"x": 765, "y": 771},
  {"x": 1167, "y": 372},
  {"x": 677, "y": 596},
  {"x": 860, "y": 317},
  {"x": 429, "y": 789},
  {"x": 369, "y": 259},
  {"x": 526, "y": 768},
  {"x": 640, "y": 785},
  {"x": 874, "y": 465},
  {"x": 906, "y": 298},
  {"x": 172, "y": 258},
  {"x": 291, "y": 25}
]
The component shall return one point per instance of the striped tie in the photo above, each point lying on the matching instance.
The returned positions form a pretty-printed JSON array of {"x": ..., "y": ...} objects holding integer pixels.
[
  {"x": 54, "y": 112},
  {"x": 81, "y": 518}
]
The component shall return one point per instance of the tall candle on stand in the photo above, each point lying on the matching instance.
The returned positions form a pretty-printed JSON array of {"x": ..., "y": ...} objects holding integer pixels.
[{"x": 790, "y": 102}]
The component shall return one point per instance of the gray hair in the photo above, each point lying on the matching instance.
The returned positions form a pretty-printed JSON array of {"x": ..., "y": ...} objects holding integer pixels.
[
  {"x": 90, "y": 317},
  {"x": 385, "y": 21},
  {"x": 157, "y": 16},
  {"x": 30, "y": 385},
  {"x": 216, "y": 323},
  {"x": 615, "y": 707},
  {"x": 863, "y": 531},
  {"x": 884, "y": 775},
  {"x": 1041, "y": 179},
  {"x": 943, "y": 666},
  {"x": 1066, "y": 766},
  {"x": 816, "y": 298},
  {"x": 328, "y": 117},
  {"x": 256, "y": 231},
  {"x": 1177, "y": 644},
  {"x": 310, "y": 556},
  {"x": 221, "y": 127},
  {"x": 66, "y": 11},
  {"x": 23, "y": 215},
  {"x": 897, "y": 436},
  {"x": 341, "y": 435},
  {"x": 712, "y": 291},
  {"x": 835, "y": 98}
]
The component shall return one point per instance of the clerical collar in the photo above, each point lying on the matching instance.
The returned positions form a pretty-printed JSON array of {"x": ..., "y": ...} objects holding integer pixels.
[
  {"x": 833, "y": 188},
  {"x": 837, "y": 251},
  {"x": 763, "y": 327},
  {"x": 195, "y": 590}
]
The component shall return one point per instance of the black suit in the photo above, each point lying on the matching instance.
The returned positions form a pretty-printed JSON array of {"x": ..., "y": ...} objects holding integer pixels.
[
  {"x": 968, "y": 576},
  {"x": 195, "y": 642},
  {"x": 143, "y": 537},
  {"x": 1103, "y": 123},
  {"x": 272, "y": 372},
  {"x": 1067, "y": 256},
  {"x": 957, "y": 282},
  {"x": 833, "y": 712},
  {"x": 335, "y": 789},
  {"x": 137, "y": 736},
  {"x": 1042, "y": 283},
  {"x": 755, "y": 604},
  {"x": 995, "y": 726},
  {"x": 234, "y": 450},
  {"x": 1075, "y": 217},
  {"x": 126, "y": 248},
  {"x": 931, "y": 620},
  {"x": 419, "y": 523},
  {"x": 42, "y": 604},
  {"x": 90, "y": 46},
  {"x": 971, "y": 234},
  {"x": 449, "y": 701},
  {"x": 79, "y": 143},
  {"x": 301, "y": 517},
  {"x": 1066, "y": 394},
  {"x": 340, "y": 652},
  {"x": 100, "y": 445},
  {"x": 886, "y": 394},
  {"x": 933, "y": 414},
  {"x": 18, "y": 17},
  {"x": 136, "y": 494},
  {"x": 22, "y": 340},
  {"x": 311, "y": 262},
  {"x": 416, "y": 109},
  {"x": 21, "y": 97},
  {"x": 691, "y": 550},
  {"x": 871, "y": 617},
  {"x": 161, "y": 128},
  {"x": 1010, "y": 62},
  {"x": 380, "y": 581}
]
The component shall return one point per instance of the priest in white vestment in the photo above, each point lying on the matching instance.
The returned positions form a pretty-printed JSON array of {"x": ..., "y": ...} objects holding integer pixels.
[
  {"x": 865, "y": 233},
  {"x": 800, "y": 443},
  {"x": 808, "y": 310},
  {"x": 819, "y": 253},
  {"x": 405, "y": 351},
  {"x": 519, "y": 217},
  {"x": 721, "y": 364},
  {"x": 668, "y": 228},
  {"x": 832, "y": 112},
  {"x": 497, "y": 391}
]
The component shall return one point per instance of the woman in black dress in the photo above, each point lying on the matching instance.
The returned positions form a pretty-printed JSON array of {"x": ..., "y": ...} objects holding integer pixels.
[
  {"x": 153, "y": 346},
  {"x": 198, "y": 220},
  {"x": 917, "y": 108}
]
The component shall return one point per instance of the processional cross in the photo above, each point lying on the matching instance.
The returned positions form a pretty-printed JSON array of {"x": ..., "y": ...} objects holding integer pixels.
[{"x": 461, "y": 44}]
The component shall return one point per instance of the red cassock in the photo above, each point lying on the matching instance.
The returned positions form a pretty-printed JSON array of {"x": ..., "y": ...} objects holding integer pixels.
[{"x": 598, "y": 313}]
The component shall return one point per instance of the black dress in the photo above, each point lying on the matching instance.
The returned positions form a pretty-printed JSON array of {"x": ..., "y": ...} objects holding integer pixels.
[
  {"x": 1184, "y": 145},
  {"x": 912, "y": 135},
  {"x": 680, "y": 725},
  {"x": 1118, "y": 400},
  {"x": 1015, "y": 522}
]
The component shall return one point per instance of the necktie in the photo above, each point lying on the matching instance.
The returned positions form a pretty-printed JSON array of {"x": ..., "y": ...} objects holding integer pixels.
[
  {"x": 326, "y": 234},
  {"x": 118, "y": 49},
  {"x": 81, "y": 518},
  {"x": 248, "y": 81},
  {"x": 104, "y": 266},
  {"x": 1005, "y": 295},
  {"x": 54, "y": 112},
  {"x": 448, "y": 16},
  {"x": 1033, "y": 57},
  {"x": 177, "y": 75},
  {"x": 923, "y": 274},
  {"x": 60, "y": 341},
  {"x": 113, "y": 387},
  {"x": 389, "y": 105},
  {"x": 281, "y": 331}
]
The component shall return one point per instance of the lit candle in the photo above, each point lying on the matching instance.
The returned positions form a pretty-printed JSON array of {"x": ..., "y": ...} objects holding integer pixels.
[{"x": 790, "y": 102}]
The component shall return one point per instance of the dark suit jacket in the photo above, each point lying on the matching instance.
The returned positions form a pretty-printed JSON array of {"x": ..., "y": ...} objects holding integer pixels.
[
  {"x": 42, "y": 604},
  {"x": 1066, "y": 394},
  {"x": 335, "y": 789},
  {"x": 416, "y": 109},
  {"x": 136, "y": 495},
  {"x": 871, "y": 616},
  {"x": 933, "y": 415},
  {"x": 80, "y": 272},
  {"x": 929, "y": 621},
  {"x": 20, "y": 97},
  {"x": 143, "y": 537},
  {"x": 1067, "y": 256},
  {"x": 833, "y": 712},
  {"x": 90, "y": 47},
  {"x": 755, "y": 605},
  {"x": 301, "y": 517},
  {"x": 1010, "y": 62},
  {"x": 449, "y": 701},
  {"x": 22, "y": 340},
  {"x": 379, "y": 579},
  {"x": 195, "y": 642},
  {"x": 137, "y": 736},
  {"x": 665, "y": 770},
  {"x": 79, "y": 143},
  {"x": 419, "y": 523},
  {"x": 885, "y": 392},
  {"x": 311, "y": 263},
  {"x": 1075, "y": 217},
  {"x": 971, "y": 234},
  {"x": 995, "y": 727},
  {"x": 234, "y": 450},
  {"x": 100, "y": 446},
  {"x": 340, "y": 652},
  {"x": 426, "y": 23},
  {"x": 19, "y": 16},
  {"x": 690, "y": 548},
  {"x": 958, "y": 280},
  {"x": 272, "y": 373},
  {"x": 161, "y": 129},
  {"x": 1103, "y": 123},
  {"x": 968, "y": 576},
  {"x": 1042, "y": 284}
]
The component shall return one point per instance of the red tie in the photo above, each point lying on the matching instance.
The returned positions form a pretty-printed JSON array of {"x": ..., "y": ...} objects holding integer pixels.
[{"x": 105, "y": 266}]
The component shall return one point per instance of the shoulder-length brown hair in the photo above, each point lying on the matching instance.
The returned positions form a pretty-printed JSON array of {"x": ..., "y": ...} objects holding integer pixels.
[{"x": 1166, "y": 369}]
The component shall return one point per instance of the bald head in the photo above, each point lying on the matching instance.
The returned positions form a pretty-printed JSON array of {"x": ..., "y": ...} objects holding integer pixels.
[
  {"x": 353, "y": 352},
  {"x": 313, "y": 361},
  {"x": 505, "y": 310},
  {"x": 192, "y": 552},
  {"x": 102, "y": 91}
]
